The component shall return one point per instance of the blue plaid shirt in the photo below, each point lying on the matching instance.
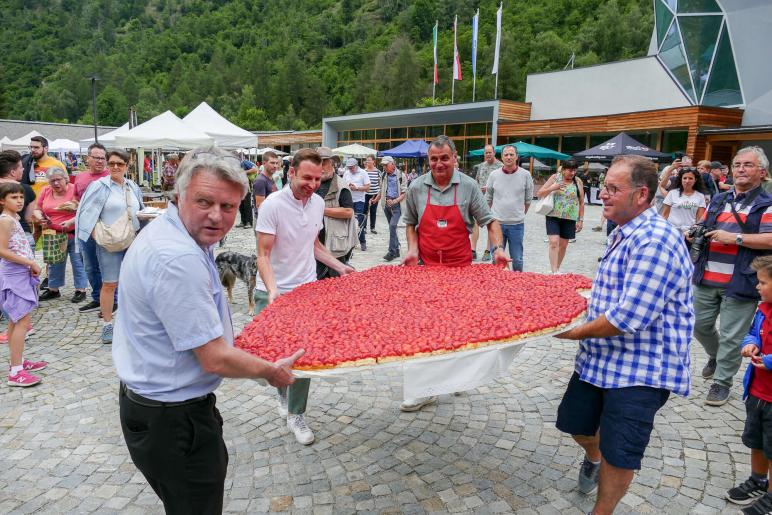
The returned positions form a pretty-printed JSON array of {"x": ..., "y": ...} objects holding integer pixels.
[{"x": 644, "y": 288}]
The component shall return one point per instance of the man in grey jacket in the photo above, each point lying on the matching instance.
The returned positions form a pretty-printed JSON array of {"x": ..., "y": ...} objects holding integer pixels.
[{"x": 509, "y": 191}]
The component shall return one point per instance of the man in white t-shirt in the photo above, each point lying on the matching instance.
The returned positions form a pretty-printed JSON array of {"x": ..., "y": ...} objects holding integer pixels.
[
  {"x": 358, "y": 182},
  {"x": 287, "y": 249}
]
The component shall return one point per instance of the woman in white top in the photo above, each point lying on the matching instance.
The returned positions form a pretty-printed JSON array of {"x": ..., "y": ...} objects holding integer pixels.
[{"x": 685, "y": 204}]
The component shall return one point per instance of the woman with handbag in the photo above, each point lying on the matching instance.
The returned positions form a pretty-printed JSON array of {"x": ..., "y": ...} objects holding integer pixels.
[
  {"x": 55, "y": 212},
  {"x": 108, "y": 213},
  {"x": 567, "y": 214}
]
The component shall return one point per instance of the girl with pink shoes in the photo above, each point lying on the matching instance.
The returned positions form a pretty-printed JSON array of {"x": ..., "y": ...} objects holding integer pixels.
[{"x": 18, "y": 284}]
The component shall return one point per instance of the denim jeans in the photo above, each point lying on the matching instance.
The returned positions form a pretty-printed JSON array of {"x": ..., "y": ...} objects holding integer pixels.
[
  {"x": 359, "y": 210},
  {"x": 392, "y": 216},
  {"x": 513, "y": 236},
  {"x": 56, "y": 271},
  {"x": 94, "y": 274},
  {"x": 373, "y": 210}
]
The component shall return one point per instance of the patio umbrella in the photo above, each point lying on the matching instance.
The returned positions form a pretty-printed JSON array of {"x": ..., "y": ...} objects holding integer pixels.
[
  {"x": 525, "y": 150},
  {"x": 618, "y": 145},
  {"x": 355, "y": 150}
]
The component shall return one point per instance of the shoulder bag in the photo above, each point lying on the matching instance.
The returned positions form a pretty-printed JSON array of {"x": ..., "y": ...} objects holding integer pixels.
[{"x": 118, "y": 235}]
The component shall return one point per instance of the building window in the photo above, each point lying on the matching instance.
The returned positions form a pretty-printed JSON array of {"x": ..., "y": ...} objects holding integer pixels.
[
  {"x": 368, "y": 134},
  {"x": 723, "y": 88},
  {"x": 455, "y": 130},
  {"x": 674, "y": 141},
  {"x": 434, "y": 131},
  {"x": 417, "y": 133},
  {"x": 597, "y": 139},
  {"x": 573, "y": 144},
  {"x": 476, "y": 129},
  {"x": 550, "y": 142},
  {"x": 399, "y": 133},
  {"x": 382, "y": 134},
  {"x": 647, "y": 138}
]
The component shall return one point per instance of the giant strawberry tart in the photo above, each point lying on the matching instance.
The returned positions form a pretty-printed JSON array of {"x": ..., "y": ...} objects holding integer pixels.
[{"x": 393, "y": 313}]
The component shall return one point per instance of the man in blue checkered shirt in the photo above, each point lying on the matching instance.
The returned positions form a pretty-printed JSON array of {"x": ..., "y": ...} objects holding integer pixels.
[{"x": 634, "y": 349}]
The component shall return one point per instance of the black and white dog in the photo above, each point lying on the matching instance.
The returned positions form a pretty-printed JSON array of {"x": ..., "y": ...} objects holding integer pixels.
[{"x": 232, "y": 266}]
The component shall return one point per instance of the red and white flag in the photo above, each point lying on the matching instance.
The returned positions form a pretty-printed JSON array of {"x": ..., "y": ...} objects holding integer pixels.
[{"x": 456, "y": 59}]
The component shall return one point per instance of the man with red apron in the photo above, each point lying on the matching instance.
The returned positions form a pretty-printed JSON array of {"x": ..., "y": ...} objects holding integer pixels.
[{"x": 441, "y": 208}]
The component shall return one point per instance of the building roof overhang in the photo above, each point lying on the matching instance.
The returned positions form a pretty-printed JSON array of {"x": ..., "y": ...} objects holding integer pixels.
[{"x": 437, "y": 115}]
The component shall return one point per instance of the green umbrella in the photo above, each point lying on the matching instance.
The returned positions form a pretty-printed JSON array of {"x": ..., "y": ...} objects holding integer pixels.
[{"x": 525, "y": 150}]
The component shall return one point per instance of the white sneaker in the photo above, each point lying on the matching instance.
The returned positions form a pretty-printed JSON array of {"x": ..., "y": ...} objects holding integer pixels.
[
  {"x": 281, "y": 400},
  {"x": 416, "y": 404},
  {"x": 297, "y": 424}
]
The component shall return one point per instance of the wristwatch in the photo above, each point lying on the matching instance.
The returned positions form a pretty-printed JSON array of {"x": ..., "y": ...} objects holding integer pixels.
[
  {"x": 496, "y": 247},
  {"x": 738, "y": 239}
]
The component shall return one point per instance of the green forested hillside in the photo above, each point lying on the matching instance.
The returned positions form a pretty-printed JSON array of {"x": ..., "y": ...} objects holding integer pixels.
[{"x": 270, "y": 64}]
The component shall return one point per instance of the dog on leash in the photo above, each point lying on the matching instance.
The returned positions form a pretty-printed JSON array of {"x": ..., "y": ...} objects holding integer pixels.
[{"x": 232, "y": 266}]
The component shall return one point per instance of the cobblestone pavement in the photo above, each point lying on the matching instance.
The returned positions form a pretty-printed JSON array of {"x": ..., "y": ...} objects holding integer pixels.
[{"x": 491, "y": 450}]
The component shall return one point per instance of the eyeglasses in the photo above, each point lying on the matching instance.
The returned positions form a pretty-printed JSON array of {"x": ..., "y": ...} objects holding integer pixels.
[
  {"x": 115, "y": 164},
  {"x": 613, "y": 190},
  {"x": 96, "y": 158},
  {"x": 746, "y": 165}
]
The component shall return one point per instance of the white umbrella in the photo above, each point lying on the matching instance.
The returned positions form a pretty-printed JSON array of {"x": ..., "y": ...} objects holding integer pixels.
[{"x": 355, "y": 150}]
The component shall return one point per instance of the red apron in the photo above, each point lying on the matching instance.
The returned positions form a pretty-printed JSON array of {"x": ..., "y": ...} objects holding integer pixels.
[{"x": 442, "y": 235}]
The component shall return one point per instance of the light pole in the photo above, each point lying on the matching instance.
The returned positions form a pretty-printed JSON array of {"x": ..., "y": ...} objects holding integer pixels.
[{"x": 94, "y": 78}]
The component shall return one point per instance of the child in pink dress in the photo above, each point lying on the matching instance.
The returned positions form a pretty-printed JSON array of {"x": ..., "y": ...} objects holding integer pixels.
[{"x": 18, "y": 284}]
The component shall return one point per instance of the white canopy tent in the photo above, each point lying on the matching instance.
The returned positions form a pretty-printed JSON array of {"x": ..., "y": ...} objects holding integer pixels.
[
  {"x": 108, "y": 138},
  {"x": 212, "y": 123},
  {"x": 166, "y": 131},
  {"x": 63, "y": 145},
  {"x": 261, "y": 151},
  {"x": 22, "y": 143},
  {"x": 355, "y": 150},
  {"x": 4, "y": 141}
]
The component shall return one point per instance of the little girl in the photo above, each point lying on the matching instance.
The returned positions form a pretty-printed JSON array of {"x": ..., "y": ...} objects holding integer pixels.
[{"x": 18, "y": 283}]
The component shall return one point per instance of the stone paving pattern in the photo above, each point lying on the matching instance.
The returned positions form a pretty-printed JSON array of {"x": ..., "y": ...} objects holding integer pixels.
[{"x": 491, "y": 450}]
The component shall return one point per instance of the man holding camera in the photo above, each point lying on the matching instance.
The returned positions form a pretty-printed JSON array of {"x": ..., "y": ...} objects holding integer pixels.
[{"x": 738, "y": 226}]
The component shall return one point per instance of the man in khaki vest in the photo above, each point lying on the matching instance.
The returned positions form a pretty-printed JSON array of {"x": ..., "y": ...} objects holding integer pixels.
[{"x": 339, "y": 234}]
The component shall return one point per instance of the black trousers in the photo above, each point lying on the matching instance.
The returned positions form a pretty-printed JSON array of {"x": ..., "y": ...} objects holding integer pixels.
[
  {"x": 373, "y": 210},
  {"x": 180, "y": 451},
  {"x": 245, "y": 209}
]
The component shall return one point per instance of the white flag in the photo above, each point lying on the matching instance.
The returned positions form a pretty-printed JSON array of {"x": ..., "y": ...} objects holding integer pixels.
[
  {"x": 498, "y": 40},
  {"x": 456, "y": 58}
]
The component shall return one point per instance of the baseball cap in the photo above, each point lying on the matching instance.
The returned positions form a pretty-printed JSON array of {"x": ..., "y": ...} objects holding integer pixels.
[
  {"x": 351, "y": 162},
  {"x": 324, "y": 152},
  {"x": 387, "y": 160}
]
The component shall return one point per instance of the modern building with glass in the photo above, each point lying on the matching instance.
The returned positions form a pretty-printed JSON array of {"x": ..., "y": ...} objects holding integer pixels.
[{"x": 705, "y": 88}]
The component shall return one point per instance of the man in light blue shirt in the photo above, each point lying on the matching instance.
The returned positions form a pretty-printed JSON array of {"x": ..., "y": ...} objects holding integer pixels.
[{"x": 173, "y": 339}]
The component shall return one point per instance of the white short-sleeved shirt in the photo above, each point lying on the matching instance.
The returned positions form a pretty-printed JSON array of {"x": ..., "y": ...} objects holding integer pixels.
[
  {"x": 296, "y": 228},
  {"x": 683, "y": 208},
  {"x": 171, "y": 303},
  {"x": 360, "y": 179}
]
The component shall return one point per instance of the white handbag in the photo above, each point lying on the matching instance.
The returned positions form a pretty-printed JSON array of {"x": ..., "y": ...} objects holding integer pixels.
[
  {"x": 546, "y": 205},
  {"x": 118, "y": 235}
]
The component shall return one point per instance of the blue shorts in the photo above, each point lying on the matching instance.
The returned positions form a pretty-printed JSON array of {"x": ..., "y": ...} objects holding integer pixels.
[
  {"x": 562, "y": 227},
  {"x": 109, "y": 264},
  {"x": 624, "y": 416}
]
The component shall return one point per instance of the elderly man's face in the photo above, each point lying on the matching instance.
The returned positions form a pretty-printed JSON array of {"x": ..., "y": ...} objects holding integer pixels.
[
  {"x": 490, "y": 154},
  {"x": 442, "y": 162},
  {"x": 328, "y": 169},
  {"x": 96, "y": 160},
  {"x": 208, "y": 207},
  {"x": 746, "y": 171}
]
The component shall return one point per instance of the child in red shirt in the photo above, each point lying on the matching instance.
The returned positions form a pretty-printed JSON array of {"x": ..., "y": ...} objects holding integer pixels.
[{"x": 757, "y": 434}]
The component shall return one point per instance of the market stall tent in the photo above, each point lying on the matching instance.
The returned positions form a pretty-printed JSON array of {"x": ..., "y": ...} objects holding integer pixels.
[
  {"x": 620, "y": 144},
  {"x": 410, "y": 148},
  {"x": 64, "y": 145},
  {"x": 524, "y": 150},
  {"x": 108, "y": 138},
  {"x": 21, "y": 143},
  {"x": 4, "y": 141},
  {"x": 355, "y": 150},
  {"x": 225, "y": 133},
  {"x": 166, "y": 131}
]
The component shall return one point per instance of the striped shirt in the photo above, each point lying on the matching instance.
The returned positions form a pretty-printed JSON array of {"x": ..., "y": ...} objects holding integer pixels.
[
  {"x": 722, "y": 256},
  {"x": 375, "y": 181},
  {"x": 644, "y": 289}
]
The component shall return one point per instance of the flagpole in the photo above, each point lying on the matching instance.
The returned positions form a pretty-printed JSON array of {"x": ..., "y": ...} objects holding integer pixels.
[
  {"x": 498, "y": 48},
  {"x": 435, "y": 75},
  {"x": 453, "y": 79},
  {"x": 474, "y": 54}
]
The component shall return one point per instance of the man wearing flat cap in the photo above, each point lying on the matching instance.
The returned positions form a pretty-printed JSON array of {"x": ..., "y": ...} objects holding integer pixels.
[
  {"x": 390, "y": 194},
  {"x": 358, "y": 183}
]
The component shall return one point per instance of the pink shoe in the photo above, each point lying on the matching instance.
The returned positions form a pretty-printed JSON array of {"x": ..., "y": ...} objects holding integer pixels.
[
  {"x": 30, "y": 331},
  {"x": 34, "y": 366},
  {"x": 23, "y": 378}
]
